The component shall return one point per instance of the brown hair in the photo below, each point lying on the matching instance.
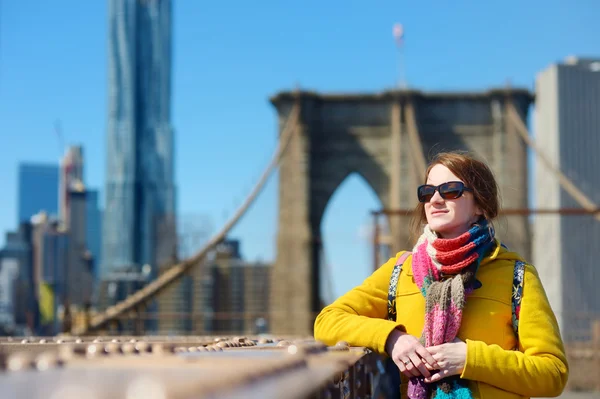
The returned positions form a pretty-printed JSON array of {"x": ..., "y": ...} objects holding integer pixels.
[{"x": 475, "y": 174}]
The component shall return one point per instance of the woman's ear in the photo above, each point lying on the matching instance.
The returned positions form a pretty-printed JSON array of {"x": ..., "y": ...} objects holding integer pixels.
[{"x": 478, "y": 216}]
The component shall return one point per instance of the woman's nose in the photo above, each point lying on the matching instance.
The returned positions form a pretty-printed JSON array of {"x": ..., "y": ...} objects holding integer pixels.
[{"x": 437, "y": 198}]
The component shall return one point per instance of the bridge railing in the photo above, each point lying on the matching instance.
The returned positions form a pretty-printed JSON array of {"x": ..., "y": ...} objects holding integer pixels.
[
  {"x": 581, "y": 338},
  {"x": 185, "y": 367},
  {"x": 215, "y": 366}
]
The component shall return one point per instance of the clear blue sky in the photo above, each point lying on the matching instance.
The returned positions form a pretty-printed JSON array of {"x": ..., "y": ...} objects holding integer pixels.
[{"x": 230, "y": 57}]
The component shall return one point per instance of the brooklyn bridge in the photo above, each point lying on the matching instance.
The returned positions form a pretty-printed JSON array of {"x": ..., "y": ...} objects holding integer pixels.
[{"x": 387, "y": 138}]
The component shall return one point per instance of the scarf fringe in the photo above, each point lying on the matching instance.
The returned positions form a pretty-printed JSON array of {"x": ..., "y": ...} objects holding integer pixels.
[{"x": 458, "y": 391}]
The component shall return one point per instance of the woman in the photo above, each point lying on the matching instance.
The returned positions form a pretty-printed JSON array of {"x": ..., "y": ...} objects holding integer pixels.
[{"x": 453, "y": 335}]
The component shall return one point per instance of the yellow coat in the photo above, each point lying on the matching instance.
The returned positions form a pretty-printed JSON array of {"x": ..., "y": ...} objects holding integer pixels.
[{"x": 495, "y": 371}]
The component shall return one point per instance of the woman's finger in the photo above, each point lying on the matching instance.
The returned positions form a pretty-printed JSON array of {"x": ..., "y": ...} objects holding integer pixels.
[
  {"x": 402, "y": 368},
  {"x": 410, "y": 367},
  {"x": 437, "y": 376},
  {"x": 420, "y": 365},
  {"x": 428, "y": 357}
]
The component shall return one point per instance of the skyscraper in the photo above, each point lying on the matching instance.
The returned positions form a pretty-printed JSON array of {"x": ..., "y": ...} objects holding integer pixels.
[
  {"x": 72, "y": 186},
  {"x": 71, "y": 175},
  {"x": 565, "y": 247},
  {"x": 38, "y": 190},
  {"x": 139, "y": 218}
]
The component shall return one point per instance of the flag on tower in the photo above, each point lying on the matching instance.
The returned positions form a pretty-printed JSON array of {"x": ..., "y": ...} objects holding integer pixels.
[{"x": 398, "y": 32}]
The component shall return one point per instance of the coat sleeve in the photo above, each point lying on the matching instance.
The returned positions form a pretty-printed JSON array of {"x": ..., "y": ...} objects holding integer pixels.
[
  {"x": 539, "y": 367},
  {"x": 359, "y": 317}
]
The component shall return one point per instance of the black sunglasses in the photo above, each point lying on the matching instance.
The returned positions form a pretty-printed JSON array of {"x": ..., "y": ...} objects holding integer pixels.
[{"x": 448, "y": 190}]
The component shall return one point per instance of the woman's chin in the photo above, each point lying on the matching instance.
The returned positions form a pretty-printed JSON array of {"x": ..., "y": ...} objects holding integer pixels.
[
  {"x": 444, "y": 230},
  {"x": 439, "y": 226}
]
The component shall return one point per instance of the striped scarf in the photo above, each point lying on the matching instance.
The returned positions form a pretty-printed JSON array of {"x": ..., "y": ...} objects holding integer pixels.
[{"x": 444, "y": 270}]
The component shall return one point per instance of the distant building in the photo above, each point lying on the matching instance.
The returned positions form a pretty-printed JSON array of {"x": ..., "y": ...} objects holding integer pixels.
[
  {"x": 62, "y": 274},
  {"x": 94, "y": 230},
  {"x": 37, "y": 190},
  {"x": 9, "y": 270},
  {"x": 235, "y": 296},
  {"x": 226, "y": 298},
  {"x": 566, "y": 250},
  {"x": 80, "y": 216},
  {"x": 55, "y": 253},
  {"x": 18, "y": 252},
  {"x": 71, "y": 176},
  {"x": 221, "y": 294},
  {"x": 79, "y": 283},
  {"x": 139, "y": 217},
  {"x": 49, "y": 249},
  {"x": 40, "y": 223}
]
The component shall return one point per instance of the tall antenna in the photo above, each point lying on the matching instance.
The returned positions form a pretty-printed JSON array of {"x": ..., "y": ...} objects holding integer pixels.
[{"x": 398, "y": 32}]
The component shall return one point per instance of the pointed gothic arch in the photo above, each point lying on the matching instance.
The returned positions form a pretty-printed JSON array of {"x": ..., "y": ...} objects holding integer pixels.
[{"x": 346, "y": 227}]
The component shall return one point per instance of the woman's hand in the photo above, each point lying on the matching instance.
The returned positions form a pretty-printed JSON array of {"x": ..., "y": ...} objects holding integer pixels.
[
  {"x": 450, "y": 357},
  {"x": 410, "y": 356}
]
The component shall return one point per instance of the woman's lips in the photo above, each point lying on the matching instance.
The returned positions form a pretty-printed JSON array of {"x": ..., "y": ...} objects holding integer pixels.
[{"x": 438, "y": 212}]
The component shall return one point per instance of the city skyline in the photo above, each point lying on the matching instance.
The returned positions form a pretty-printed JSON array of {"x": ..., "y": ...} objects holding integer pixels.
[{"x": 225, "y": 72}]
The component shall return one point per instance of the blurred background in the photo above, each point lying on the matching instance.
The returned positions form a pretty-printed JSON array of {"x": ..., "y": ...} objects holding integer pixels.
[{"x": 134, "y": 130}]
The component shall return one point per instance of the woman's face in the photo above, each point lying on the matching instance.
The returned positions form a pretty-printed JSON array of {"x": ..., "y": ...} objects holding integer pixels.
[{"x": 449, "y": 217}]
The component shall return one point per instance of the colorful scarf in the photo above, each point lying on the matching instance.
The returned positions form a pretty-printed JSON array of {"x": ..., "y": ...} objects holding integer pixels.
[{"x": 444, "y": 270}]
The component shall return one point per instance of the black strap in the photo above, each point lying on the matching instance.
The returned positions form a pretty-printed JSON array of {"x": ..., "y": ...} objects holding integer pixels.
[
  {"x": 391, "y": 305},
  {"x": 517, "y": 293}
]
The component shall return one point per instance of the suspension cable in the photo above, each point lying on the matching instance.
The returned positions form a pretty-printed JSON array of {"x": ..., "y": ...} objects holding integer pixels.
[
  {"x": 563, "y": 180},
  {"x": 178, "y": 270}
]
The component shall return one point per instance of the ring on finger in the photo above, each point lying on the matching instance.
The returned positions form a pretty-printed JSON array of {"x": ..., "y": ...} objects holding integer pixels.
[{"x": 406, "y": 362}]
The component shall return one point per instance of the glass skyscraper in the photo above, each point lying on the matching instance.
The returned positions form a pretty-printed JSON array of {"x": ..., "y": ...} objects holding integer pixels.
[
  {"x": 139, "y": 217},
  {"x": 38, "y": 190},
  {"x": 565, "y": 247}
]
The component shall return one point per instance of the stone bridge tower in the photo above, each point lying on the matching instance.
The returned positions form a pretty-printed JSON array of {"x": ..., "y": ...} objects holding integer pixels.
[{"x": 386, "y": 138}]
